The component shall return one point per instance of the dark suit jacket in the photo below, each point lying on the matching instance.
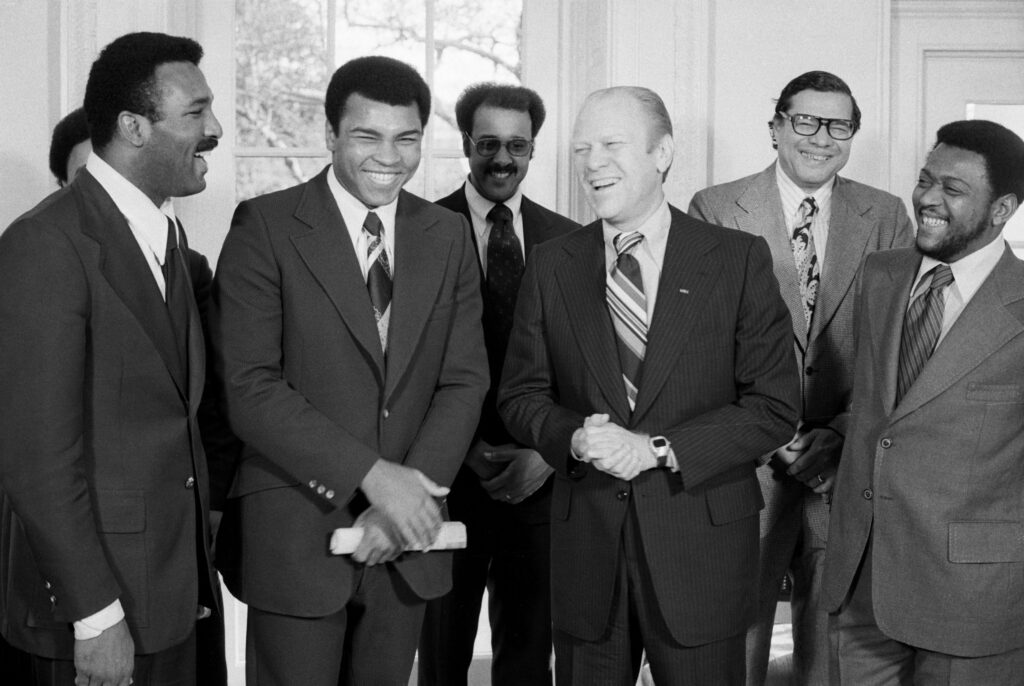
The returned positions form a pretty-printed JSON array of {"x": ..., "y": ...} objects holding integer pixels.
[
  {"x": 100, "y": 454},
  {"x": 937, "y": 480},
  {"x": 864, "y": 219},
  {"x": 309, "y": 393},
  {"x": 718, "y": 381},
  {"x": 539, "y": 224}
]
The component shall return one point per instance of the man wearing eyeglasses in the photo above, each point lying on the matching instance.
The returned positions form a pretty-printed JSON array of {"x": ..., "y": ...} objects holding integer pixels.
[
  {"x": 503, "y": 491},
  {"x": 820, "y": 227}
]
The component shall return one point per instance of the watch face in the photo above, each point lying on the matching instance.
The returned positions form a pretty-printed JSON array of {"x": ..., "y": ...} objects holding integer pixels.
[{"x": 659, "y": 442}]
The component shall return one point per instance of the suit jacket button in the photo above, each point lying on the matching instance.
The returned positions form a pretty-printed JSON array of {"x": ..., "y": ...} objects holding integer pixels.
[
  {"x": 190, "y": 482},
  {"x": 868, "y": 494},
  {"x": 622, "y": 495},
  {"x": 809, "y": 371},
  {"x": 386, "y": 414},
  {"x": 48, "y": 585},
  {"x": 886, "y": 443}
]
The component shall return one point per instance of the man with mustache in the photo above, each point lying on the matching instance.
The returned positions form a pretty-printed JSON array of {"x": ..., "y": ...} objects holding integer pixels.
[
  {"x": 926, "y": 545},
  {"x": 106, "y": 542},
  {"x": 801, "y": 206},
  {"x": 503, "y": 490}
]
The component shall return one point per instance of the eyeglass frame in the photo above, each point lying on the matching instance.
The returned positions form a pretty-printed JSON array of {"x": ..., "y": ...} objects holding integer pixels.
[
  {"x": 822, "y": 121},
  {"x": 501, "y": 144}
]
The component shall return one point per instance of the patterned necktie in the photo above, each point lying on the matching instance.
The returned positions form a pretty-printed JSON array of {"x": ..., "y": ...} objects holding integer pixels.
[
  {"x": 921, "y": 327},
  {"x": 628, "y": 306},
  {"x": 378, "y": 276},
  {"x": 807, "y": 272},
  {"x": 176, "y": 293},
  {"x": 504, "y": 273}
]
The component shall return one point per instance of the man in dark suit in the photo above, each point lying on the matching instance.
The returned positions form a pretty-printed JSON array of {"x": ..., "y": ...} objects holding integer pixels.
[
  {"x": 798, "y": 196},
  {"x": 347, "y": 327},
  {"x": 102, "y": 363},
  {"x": 503, "y": 490},
  {"x": 649, "y": 364},
  {"x": 923, "y": 569}
]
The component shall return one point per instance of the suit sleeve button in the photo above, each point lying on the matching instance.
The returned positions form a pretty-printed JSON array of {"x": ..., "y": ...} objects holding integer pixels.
[
  {"x": 190, "y": 482},
  {"x": 622, "y": 495},
  {"x": 868, "y": 494},
  {"x": 329, "y": 494},
  {"x": 312, "y": 483},
  {"x": 321, "y": 489},
  {"x": 886, "y": 443}
]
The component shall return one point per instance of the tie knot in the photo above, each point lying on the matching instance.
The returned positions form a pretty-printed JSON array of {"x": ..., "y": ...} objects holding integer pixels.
[
  {"x": 624, "y": 242},
  {"x": 499, "y": 214},
  {"x": 372, "y": 224},
  {"x": 808, "y": 207},
  {"x": 942, "y": 276}
]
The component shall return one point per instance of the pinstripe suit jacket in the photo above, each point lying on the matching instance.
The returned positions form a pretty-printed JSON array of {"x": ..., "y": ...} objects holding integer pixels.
[
  {"x": 864, "y": 219},
  {"x": 718, "y": 381}
]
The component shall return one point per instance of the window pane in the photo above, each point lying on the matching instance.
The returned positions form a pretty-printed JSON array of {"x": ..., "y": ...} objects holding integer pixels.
[
  {"x": 258, "y": 175},
  {"x": 282, "y": 71}
]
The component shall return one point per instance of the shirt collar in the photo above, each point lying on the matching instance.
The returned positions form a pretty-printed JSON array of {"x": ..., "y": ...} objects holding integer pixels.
[
  {"x": 146, "y": 219},
  {"x": 353, "y": 211},
  {"x": 970, "y": 271},
  {"x": 792, "y": 195},
  {"x": 479, "y": 206},
  {"x": 655, "y": 230}
]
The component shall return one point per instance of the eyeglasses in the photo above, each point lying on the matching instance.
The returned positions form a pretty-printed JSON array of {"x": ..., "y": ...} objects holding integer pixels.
[
  {"x": 489, "y": 147},
  {"x": 808, "y": 125}
]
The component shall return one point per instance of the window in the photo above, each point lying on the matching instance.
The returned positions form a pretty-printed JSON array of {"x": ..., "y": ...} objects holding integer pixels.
[{"x": 286, "y": 51}]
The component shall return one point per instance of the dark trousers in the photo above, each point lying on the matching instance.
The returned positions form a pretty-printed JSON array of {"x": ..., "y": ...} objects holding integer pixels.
[
  {"x": 511, "y": 558},
  {"x": 636, "y": 624},
  {"x": 175, "y": 666},
  {"x": 369, "y": 642}
]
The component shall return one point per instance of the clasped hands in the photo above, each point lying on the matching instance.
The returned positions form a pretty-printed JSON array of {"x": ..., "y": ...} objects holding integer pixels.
[
  {"x": 612, "y": 449},
  {"x": 508, "y": 473},
  {"x": 812, "y": 457},
  {"x": 404, "y": 511}
]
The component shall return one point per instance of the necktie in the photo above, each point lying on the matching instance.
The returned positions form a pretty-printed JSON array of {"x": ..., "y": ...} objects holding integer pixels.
[
  {"x": 921, "y": 327},
  {"x": 378, "y": 276},
  {"x": 628, "y": 306},
  {"x": 807, "y": 270},
  {"x": 176, "y": 292},
  {"x": 504, "y": 273}
]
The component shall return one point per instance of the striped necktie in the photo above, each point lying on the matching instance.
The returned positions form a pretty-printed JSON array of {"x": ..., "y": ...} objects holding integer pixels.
[
  {"x": 628, "y": 306},
  {"x": 378, "y": 276},
  {"x": 807, "y": 270},
  {"x": 921, "y": 327}
]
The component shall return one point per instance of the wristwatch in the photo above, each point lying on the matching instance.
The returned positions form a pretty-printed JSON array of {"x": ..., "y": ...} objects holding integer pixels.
[{"x": 660, "y": 447}]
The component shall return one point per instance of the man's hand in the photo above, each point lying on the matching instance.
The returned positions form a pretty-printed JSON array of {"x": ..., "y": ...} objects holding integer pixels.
[
  {"x": 817, "y": 455},
  {"x": 107, "y": 660},
  {"x": 405, "y": 496},
  {"x": 380, "y": 543},
  {"x": 612, "y": 449},
  {"x": 523, "y": 471},
  {"x": 482, "y": 459}
]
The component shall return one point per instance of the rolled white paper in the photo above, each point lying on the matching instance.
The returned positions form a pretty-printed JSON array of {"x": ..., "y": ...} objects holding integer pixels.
[{"x": 451, "y": 536}]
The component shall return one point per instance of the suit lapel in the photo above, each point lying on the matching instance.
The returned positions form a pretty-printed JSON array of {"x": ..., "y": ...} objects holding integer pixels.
[
  {"x": 125, "y": 268},
  {"x": 536, "y": 228},
  {"x": 196, "y": 345},
  {"x": 327, "y": 252},
  {"x": 888, "y": 298},
  {"x": 985, "y": 326},
  {"x": 848, "y": 235},
  {"x": 759, "y": 201},
  {"x": 419, "y": 255},
  {"x": 581, "y": 280},
  {"x": 686, "y": 284}
]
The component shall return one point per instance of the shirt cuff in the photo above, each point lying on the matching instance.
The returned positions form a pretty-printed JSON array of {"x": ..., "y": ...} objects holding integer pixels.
[
  {"x": 95, "y": 624},
  {"x": 672, "y": 463}
]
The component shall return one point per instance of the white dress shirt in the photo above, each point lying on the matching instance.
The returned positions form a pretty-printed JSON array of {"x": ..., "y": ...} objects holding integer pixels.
[{"x": 792, "y": 195}]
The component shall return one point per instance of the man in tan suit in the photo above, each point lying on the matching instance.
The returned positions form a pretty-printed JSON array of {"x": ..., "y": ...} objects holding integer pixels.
[
  {"x": 819, "y": 227},
  {"x": 926, "y": 550}
]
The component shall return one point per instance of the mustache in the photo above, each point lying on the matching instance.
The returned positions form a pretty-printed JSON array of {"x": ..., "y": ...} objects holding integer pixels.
[
  {"x": 206, "y": 144},
  {"x": 496, "y": 168}
]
